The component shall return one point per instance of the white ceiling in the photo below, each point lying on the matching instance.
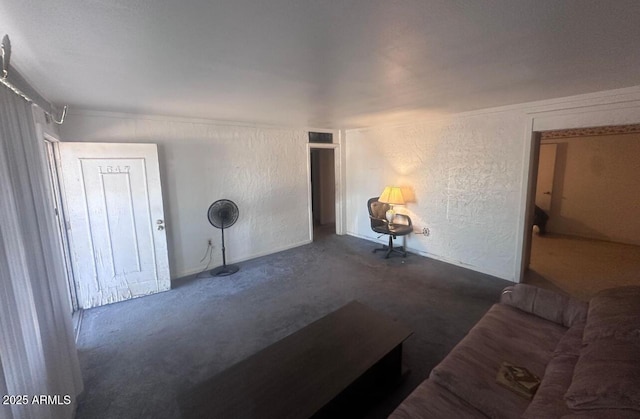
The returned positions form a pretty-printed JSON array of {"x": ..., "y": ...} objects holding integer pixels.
[{"x": 320, "y": 63}]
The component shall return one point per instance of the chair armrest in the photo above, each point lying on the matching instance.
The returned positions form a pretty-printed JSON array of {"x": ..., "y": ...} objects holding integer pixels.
[
  {"x": 406, "y": 218},
  {"x": 379, "y": 222}
]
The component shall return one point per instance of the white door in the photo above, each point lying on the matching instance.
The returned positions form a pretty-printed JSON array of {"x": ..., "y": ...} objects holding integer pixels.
[
  {"x": 546, "y": 170},
  {"x": 116, "y": 221}
]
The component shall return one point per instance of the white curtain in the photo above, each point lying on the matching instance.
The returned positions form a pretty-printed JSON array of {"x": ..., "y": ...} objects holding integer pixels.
[{"x": 37, "y": 350}]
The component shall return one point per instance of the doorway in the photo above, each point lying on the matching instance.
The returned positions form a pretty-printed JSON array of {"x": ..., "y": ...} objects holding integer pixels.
[
  {"x": 585, "y": 182},
  {"x": 323, "y": 192}
]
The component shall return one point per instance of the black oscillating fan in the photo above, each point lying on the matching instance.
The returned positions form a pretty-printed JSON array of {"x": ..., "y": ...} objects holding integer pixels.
[{"x": 223, "y": 214}]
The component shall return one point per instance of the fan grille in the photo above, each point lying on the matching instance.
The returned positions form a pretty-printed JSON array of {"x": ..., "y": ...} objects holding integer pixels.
[{"x": 223, "y": 213}]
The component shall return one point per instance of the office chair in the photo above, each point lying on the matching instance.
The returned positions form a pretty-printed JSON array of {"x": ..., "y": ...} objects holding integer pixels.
[{"x": 379, "y": 224}]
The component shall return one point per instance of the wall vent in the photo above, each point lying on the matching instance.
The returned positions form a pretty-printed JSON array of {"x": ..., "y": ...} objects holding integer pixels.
[{"x": 320, "y": 137}]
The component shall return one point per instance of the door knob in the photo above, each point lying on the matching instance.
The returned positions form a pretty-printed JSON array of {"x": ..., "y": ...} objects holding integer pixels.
[
  {"x": 160, "y": 228},
  {"x": 547, "y": 193},
  {"x": 160, "y": 222}
]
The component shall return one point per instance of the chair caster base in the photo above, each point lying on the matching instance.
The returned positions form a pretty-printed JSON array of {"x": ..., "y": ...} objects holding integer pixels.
[{"x": 400, "y": 250}]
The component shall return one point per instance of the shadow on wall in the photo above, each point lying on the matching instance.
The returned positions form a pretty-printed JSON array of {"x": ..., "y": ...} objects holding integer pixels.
[
  {"x": 408, "y": 194},
  {"x": 587, "y": 191},
  {"x": 558, "y": 185},
  {"x": 558, "y": 223}
]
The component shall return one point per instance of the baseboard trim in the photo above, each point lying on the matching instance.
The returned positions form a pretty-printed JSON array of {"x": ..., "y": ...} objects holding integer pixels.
[
  {"x": 434, "y": 256},
  {"x": 193, "y": 271}
]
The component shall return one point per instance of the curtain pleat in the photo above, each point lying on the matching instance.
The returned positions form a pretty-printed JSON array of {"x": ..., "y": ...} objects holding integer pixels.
[{"x": 37, "y": 349}]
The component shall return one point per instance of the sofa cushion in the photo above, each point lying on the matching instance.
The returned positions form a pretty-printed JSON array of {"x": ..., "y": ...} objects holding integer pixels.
[
  {"x": 547, "y": 304},
  {"x": 607, "y": 375},
  {"x": 614, "y": 313},
  {"x": 603, "y": 414},
  {"x": 503, "y": 334},
  {"x": 571, "y": 342},
  {"x": 548, "y": 401},
  {"x": 430, "y": 401}
]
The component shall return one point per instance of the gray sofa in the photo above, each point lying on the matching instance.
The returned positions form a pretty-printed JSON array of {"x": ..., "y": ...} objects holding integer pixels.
[{"x": 587, "y": 356}]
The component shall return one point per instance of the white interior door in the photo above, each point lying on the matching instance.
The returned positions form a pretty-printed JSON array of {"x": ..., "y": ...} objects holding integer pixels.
[
  {"x": 546, "y": 172},
  {"x": 116, "y": 221}
]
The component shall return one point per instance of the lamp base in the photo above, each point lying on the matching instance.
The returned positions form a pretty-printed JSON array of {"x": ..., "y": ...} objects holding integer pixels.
[
  {"x": 224, "y": 270},
  {"x": 390, "y": 215}
]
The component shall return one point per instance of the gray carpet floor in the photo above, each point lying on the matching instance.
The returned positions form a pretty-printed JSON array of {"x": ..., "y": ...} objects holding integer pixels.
[{"x": 137, "y": 355}]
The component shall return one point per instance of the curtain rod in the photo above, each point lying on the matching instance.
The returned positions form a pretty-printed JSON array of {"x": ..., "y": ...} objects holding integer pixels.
[{"x": 17, "y": 84}]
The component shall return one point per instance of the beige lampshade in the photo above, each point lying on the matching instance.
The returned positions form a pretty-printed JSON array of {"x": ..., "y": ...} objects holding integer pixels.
[{"x": 391, "y": 195}]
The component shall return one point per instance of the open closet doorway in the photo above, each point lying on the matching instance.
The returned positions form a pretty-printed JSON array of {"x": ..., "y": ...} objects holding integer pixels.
[
  {"x": 323, "y": 192},
  {"x": 586, "y": 231}
]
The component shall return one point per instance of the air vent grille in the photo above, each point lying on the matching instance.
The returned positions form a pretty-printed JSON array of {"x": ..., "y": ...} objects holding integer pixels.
[{"x": 320, "y": 137}]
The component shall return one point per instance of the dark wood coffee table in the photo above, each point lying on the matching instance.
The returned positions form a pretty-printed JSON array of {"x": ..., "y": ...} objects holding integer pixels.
[{"x": 303, "y": 373}]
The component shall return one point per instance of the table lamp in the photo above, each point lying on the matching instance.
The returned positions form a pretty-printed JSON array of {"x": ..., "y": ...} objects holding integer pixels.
[{"x": 391, "y": 195}]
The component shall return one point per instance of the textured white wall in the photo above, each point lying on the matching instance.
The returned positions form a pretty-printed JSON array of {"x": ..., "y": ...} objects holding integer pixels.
[
  {"x": 263, "y": 170},
  {"x": 462, "y": 179},
  {"x": 467, "y": 175},
  {"x": 597, "y": 188}
]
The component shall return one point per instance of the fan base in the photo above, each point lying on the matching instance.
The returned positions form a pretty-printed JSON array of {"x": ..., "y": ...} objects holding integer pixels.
[{"x": 224, "y": 270}]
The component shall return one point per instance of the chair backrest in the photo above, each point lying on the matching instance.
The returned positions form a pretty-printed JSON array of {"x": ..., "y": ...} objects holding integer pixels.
[{"x": 377, "y": 212}]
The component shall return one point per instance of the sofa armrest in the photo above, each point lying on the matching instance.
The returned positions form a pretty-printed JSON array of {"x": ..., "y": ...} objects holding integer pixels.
[
  {"x": 544, "y": 303},
  {"x": 505, "y": 297}
]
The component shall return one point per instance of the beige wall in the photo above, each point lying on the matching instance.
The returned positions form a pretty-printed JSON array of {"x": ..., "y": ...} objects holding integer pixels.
[{"x": 596, "y": 191}]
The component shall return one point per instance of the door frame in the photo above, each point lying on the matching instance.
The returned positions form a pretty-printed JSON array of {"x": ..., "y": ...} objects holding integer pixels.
[
  {"x": 57, "y": 193},
  {"x": 580, "y": 114},
  {"x": 338, "y": 161},
  {"x": 534, "y": 160}
]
